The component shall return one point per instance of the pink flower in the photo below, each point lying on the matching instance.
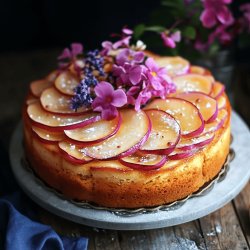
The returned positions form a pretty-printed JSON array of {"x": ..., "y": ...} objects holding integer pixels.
[
  {"x": 107, "y": 46},
  {"x": 132, "y": 93},
  {"x": 171, "y": 39},
  {"x": 123, "y": 42},
  {"x": 216, "y": 11},
  {"x": 127, "y": 31},
  {"x": 76, "y": 49},
  {"x": 156, "y": 75},
  {"x": 128, "y": 74},
  {"x": 107, "y": 100},
  {"x": 130, "y": 56},
  {"x": 142, "y": 98}
]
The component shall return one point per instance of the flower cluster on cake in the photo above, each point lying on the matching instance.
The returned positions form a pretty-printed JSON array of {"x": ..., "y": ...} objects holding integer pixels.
[{"x": 124, "y": 127}]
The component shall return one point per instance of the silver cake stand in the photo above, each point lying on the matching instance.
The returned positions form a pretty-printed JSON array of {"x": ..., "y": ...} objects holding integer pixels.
[{"x": 193, "y": 208}]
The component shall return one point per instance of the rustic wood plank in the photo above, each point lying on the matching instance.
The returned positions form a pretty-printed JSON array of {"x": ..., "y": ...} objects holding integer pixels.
[
  {"x": 191, "y": 233},
  {"x": 222, "y": 230},
  {"x": 242, "y": 207},
  {"x": 98, "y": 238},
  {"x": 131, "y": 240}
]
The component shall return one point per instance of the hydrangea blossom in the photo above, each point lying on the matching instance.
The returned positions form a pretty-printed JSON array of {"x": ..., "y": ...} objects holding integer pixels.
[{"x": 107, "y": 100}]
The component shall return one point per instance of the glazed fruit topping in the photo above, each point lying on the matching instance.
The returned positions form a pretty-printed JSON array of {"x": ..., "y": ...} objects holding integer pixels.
[
  {"x": 142, "y": 161},
  {"x": 37, "y": 87},
  {"x": 48, "y": 136},
  {"x": 95, "y": 132},
  {"x": 206, "y": 104},
  {"x": 164, "y": 135},
  {"x": 54, "y": 122},
  {"x": 72, "y": 153},
  {"x": 193, "y": 82},
  {"x": 174, "y": 65},
  {"x": 55, "y": 102},
  {"x": 134, "y": 130},
  {"x": 66, "y": 82},
  {"x": 185, "y": 113}
]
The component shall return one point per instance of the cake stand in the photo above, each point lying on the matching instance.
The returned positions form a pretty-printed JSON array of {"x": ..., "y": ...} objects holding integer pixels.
[{"x": 193, "y": 208}]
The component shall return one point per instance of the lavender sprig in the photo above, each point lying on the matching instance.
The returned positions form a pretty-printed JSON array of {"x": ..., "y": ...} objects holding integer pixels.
[
  {"x": 82, "y": 95},
  {"x": 93, "y": 61}
]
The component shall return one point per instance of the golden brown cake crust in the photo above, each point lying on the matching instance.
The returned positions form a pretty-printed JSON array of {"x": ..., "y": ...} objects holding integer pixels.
[{"x": 109, "y": 183}]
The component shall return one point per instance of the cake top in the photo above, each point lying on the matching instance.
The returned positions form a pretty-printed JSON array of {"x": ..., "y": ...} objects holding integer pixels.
[
  {"x": 125, "y": 105},
  {"x": 119, "y": 75}
]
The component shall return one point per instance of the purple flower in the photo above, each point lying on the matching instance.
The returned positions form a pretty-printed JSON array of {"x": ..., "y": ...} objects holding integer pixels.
[
  {"x": 170, "y": 40},
  {"x": 107, "y": 100},
  {"x": 107, "y": 46},
  {"x": 128, "y": 74},
  {"x": 132, "y": 93},
  {"x": 76, "y": 49},
  {"x": 124, "y": 42},
  {"x": 130, "y": 56},
  {"x": 142, "y": 98},
  {"x": 127, "y": 31},
  {"x": 156, "y": 75},
  {"x": 216, "y": 11}
]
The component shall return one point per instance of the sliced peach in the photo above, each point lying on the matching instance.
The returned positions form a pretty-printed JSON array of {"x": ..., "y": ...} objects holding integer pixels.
[
  {"x": 221, "y": 102},
  {"x": 199, "y": 70},
  {"x": 134, "y": 130},
  {"x": 193, "y": 82},
  {"x": 195, "y": 142},
  {"x": 217, "y": 123},
  {"x": 50, "y": 136},
  {"x": 66, "y": 82},
  {"x": 73, "y": 153},
  {"x": 142, "y": 161},
  {"x": 38, "y": 86},
  {"x": 95, "y": 132},
  {"x": 55, "y": 102},
  {"x": 46, "y": 120},
  {"x": 174, "y": 65},
  {"x": 164, "y": 135},
  {"x": 52, "y": 75},
  {"x": 206, "y": 104},
  {"x": 185, "y": 113},
  {"x": 179, "y": 154},
  {"x": 217, "y": 90}
]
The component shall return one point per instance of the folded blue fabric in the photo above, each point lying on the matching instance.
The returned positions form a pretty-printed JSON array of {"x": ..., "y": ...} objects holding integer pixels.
[
  {"x": 18, "y": 231},
  {"x": 19, "y": 226}
]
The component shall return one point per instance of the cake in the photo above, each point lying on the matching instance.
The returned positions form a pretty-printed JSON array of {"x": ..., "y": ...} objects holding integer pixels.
[{"x": 125, "y": 128}]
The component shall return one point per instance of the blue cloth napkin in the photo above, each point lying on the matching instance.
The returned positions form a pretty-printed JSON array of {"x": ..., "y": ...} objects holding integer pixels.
[{"x": 19, "y": 226}]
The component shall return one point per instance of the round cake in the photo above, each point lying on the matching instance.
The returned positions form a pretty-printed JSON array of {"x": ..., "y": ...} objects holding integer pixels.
[{"x": 123, "y": 127}]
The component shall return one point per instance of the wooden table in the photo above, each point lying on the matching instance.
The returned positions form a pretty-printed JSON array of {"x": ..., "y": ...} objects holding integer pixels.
[{"x": 227, "y": 228}]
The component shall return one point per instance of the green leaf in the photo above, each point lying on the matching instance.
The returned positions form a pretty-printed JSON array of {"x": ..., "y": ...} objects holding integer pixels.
[
  {"x": 155, "y": 28},
  {"x": 189, "y": 32},
  {"x": 139, "y": 30}
]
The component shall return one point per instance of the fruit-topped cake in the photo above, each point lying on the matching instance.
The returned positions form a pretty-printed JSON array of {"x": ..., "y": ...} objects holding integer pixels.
[{"x": 123, "y": 127}]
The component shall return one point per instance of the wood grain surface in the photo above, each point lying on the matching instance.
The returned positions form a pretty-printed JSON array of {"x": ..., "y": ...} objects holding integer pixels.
[{"x": 227, "y": 228}]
